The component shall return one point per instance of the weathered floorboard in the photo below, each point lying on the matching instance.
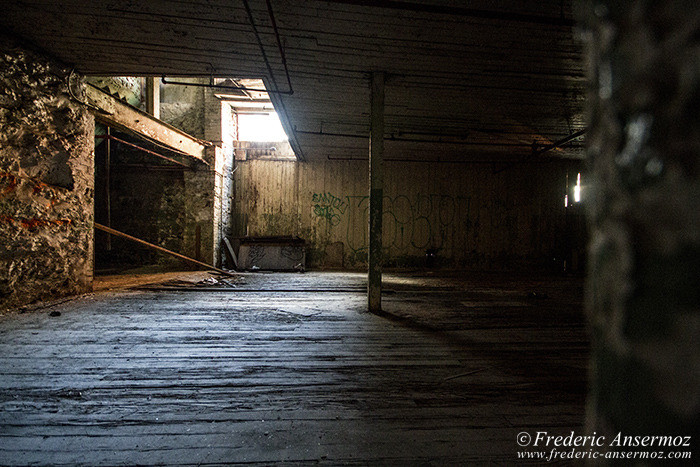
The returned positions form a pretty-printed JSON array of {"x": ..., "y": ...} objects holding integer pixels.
[{"x": 452, "y": 374}]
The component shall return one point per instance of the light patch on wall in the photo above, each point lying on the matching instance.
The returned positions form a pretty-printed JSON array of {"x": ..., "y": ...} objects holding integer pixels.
[
  {"x": 577, "y": 189},
  {"x": 260, "y": 127},
  {"x": 576, "y": 192}
]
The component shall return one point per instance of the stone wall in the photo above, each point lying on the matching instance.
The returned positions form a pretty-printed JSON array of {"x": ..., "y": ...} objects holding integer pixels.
[
  {"x": 183, "y": 106},
  {"x": 644, "y": 148},
  {"x": 126, "y": 88},
  {"x": 468, "y": 215},
  {"x": 202, "y": 211},
  {"x": 46, "y": 180}
]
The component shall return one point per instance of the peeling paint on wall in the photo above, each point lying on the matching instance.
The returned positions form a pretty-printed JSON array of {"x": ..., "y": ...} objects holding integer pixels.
[{"x": 127, "y": 88}]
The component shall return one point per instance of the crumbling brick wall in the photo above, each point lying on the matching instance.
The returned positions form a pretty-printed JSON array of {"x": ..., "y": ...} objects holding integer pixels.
[{"x": 46, "y": 180}]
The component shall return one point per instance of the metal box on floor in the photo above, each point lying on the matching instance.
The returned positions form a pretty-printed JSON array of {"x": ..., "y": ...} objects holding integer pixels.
[{"x": 283, "y": 253}]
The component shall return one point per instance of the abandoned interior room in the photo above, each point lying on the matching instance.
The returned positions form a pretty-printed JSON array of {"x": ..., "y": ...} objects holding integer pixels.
[{"x": 349, "y": 232}]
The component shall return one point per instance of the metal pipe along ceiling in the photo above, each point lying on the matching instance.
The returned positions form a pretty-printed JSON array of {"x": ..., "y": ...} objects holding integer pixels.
[
  {"x": 262, "y": 48},
  {"x": 283, "y": 57},
  {"x": 460, "y": 11}
]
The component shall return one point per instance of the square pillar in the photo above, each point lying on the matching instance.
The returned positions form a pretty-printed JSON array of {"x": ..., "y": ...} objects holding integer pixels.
[
  {"x": 153, "y": 96},
  {"x": 376, "y": 193}
]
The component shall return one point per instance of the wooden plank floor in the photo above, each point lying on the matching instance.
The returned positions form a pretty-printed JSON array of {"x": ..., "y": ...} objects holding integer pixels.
[{"x": 458, "y": 367}]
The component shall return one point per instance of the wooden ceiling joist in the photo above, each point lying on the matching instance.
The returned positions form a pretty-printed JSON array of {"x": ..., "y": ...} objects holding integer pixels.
[
  {"x": 514, "y": 68},
  {"x": 119, "y": 114}
]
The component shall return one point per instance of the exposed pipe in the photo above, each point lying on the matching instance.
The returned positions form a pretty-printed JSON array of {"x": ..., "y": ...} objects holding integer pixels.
[
  {"x": 242, "y": 100},
  {"x": 109, "y": 137},
  {"x": 410, "y": 140},
  {"x": 459, "y": 11},
  {"x": 161, "y": 249},
  {"x": 548, "y": 147},
  {"x": 75, "y": 98},
  {"x": 561, "y": 142},
  {"x": 262, "y": 48},
  {"x": 223, "y": 86},
  {"x": 432, "y": 161}
]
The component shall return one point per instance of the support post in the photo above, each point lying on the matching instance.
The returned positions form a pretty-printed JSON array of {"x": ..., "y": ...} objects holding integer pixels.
[
  {"x": 153, "y": 96},
  {"x": 376, "y": 192},
  {"x": 108, "y": 182}
]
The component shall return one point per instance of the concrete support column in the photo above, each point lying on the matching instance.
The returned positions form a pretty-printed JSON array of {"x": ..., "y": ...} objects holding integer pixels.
[
  {"x": 643, "y": 298},
  {"x": 153, "y": 96},
  {"x": 376, "y": 192}
]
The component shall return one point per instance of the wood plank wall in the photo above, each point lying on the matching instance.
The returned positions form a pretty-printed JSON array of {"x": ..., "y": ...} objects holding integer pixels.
[{"x": 475, "y": 218}]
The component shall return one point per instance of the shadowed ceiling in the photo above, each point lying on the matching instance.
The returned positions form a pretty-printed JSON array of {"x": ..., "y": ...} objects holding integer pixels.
[{"x": 479, "y": 80}]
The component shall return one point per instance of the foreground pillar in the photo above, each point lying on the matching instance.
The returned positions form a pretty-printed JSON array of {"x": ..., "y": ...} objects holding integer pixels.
[
  {"x": 643, "y": 297},
  {"x": 376, "y": 192}
]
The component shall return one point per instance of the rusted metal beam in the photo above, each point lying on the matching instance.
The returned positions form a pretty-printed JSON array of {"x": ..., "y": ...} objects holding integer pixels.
[
  {"x": 109, "y": 137},
  {"x": 111, "y": 231},
  {"x": 121, "y": 115}
]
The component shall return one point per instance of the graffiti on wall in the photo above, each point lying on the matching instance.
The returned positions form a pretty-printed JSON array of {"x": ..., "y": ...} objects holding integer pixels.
[
  {"x": 329, "y": 207},
  {"x": 420, "y": 221},
  {"x": 292, "y": 252}
]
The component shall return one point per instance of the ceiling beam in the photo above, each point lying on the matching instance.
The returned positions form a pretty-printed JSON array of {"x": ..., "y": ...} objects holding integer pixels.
[{"x": 113, "y": 112}]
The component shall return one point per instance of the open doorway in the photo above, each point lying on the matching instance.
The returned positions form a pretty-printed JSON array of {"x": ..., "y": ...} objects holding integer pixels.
[
  {"x": 140, "y": 190},
  {"x": 257, "y": 129},
  {"x": 155, "y": 192}
]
